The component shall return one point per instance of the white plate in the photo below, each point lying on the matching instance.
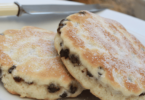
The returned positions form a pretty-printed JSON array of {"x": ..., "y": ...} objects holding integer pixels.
[{"x": 50, "y": 22}]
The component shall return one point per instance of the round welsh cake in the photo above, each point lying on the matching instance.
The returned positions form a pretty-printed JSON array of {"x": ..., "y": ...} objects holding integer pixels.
[
  {"x": 102, "y": 56},
  {"x": 32, "y": 68}
]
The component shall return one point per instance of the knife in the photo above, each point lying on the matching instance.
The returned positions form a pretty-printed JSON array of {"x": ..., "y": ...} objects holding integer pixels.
[{"x": 16, "y": 9}]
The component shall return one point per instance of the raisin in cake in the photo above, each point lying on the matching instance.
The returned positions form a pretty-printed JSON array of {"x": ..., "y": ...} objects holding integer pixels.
[
  {"x": 102, "y": 56},
  {"x": 31, "y": 66}
]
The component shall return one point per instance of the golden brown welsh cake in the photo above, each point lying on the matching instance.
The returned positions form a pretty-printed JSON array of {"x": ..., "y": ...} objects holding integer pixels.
[
  {"x": 31, "y": 66},
  {"x": 102, "y": 56}
]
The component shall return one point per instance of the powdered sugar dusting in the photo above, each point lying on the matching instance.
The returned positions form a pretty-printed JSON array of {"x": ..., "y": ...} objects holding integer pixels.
[
  {"x": 108, "y": 44},
  {"x": 32, "y": 51}
]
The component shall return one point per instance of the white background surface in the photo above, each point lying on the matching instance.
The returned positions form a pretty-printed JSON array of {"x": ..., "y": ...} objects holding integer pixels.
[{"x": 50, "y": 22}]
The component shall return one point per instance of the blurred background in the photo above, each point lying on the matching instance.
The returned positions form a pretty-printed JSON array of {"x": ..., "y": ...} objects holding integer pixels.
[{"x": 134, "y": 8}]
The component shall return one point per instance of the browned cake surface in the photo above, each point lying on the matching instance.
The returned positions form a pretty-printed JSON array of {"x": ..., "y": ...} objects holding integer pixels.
[
  {"x": 29, "y": 61},
  {"x": 31, "y": 50},
  {"x": 112, "y": 55}
]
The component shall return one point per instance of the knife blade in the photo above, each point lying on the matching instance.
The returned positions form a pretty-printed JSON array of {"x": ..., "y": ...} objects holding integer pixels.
[{"x": 18, "y": 9}]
